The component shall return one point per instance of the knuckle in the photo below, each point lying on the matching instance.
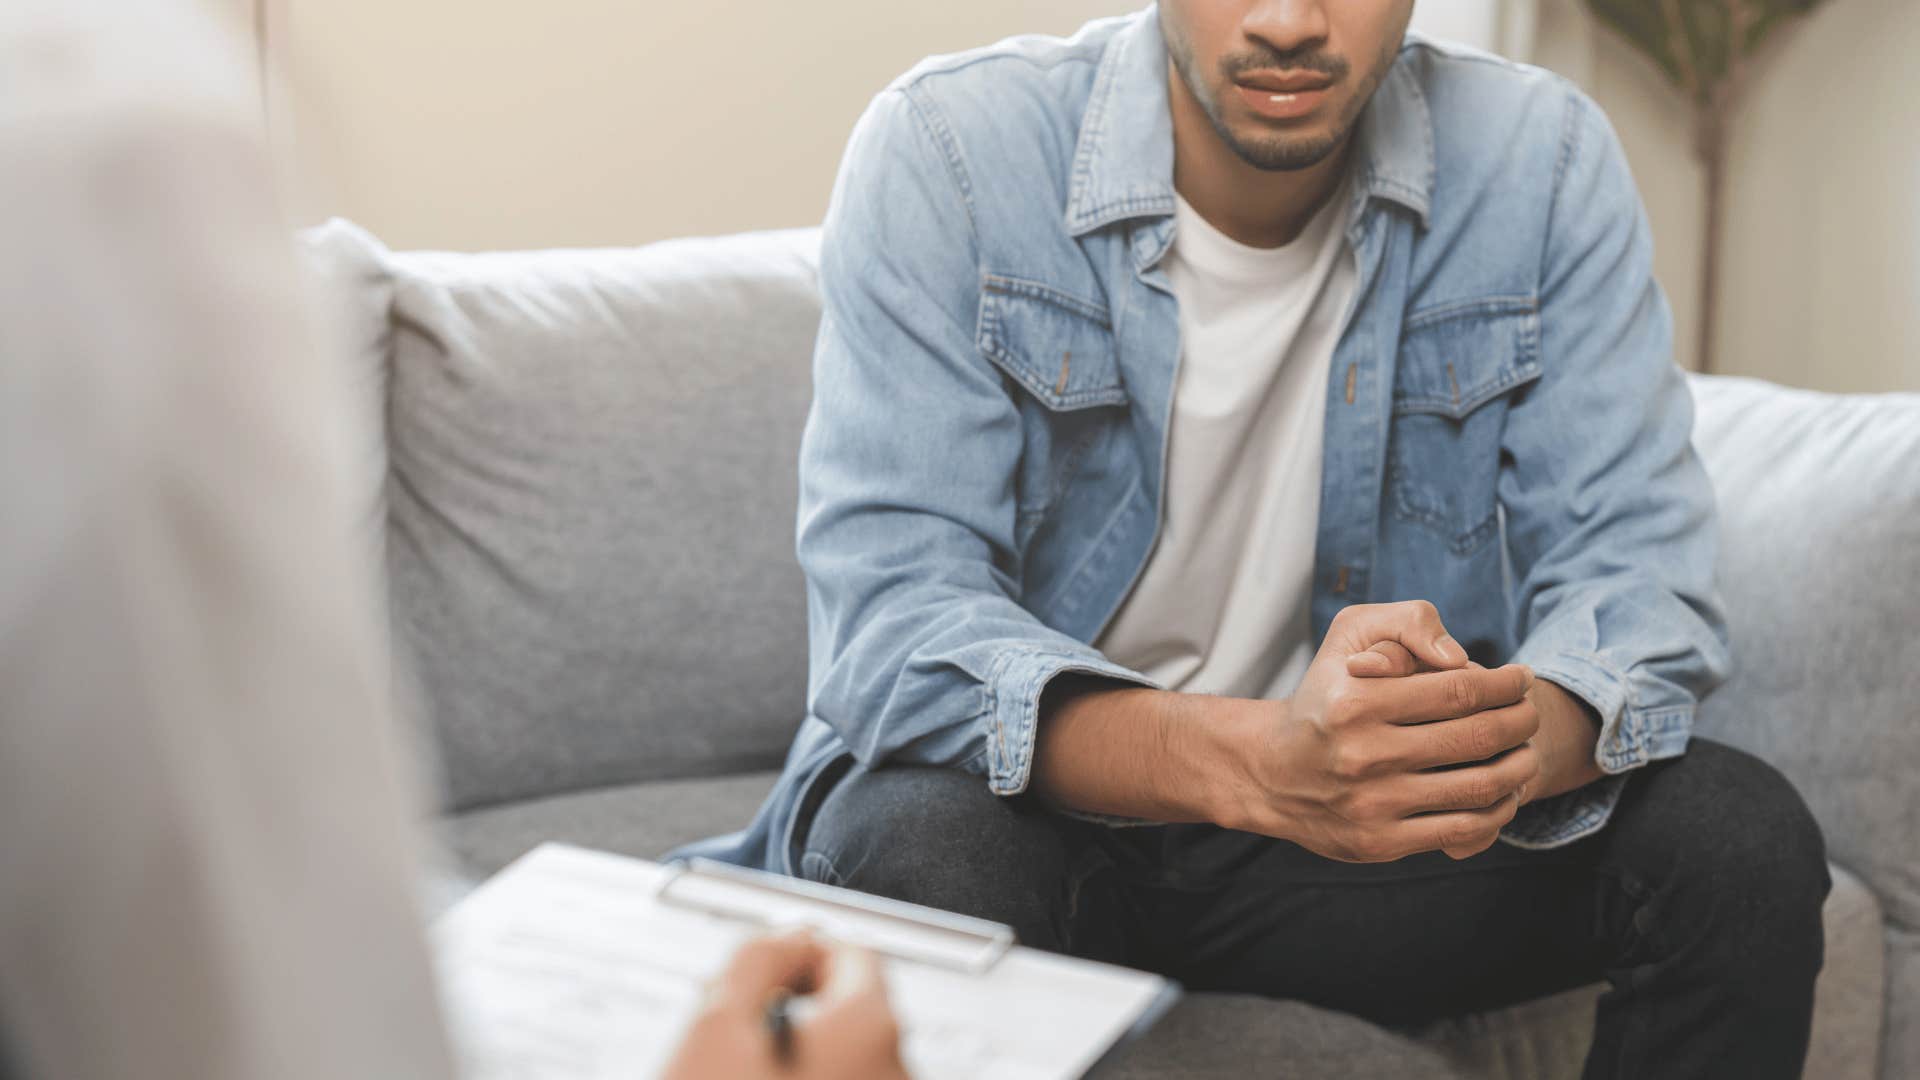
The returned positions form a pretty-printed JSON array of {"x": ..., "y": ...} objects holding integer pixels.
[
  {"x": 1456, "y": 745},
  {"x": 1461, "y": 694},
  {"x": 1350, "y": 762},
  {"x": 1423, "y": 609},
  {"x": 1468, "y": 838},
  {"x": 1517, "y": 686},
  {"x": 1484, "y": 792},
  {"x": 1520, "y": 765},
  {"x": 1362, "y": 807},
  {"x": 1479, "y": 741},
  {"x": 1344, "y": 705}
]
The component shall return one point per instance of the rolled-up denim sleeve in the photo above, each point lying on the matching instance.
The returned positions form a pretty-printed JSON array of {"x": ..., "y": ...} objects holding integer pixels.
[
  {"x": 920, "y": 651},
  {"x": 1609, "y": 512}
]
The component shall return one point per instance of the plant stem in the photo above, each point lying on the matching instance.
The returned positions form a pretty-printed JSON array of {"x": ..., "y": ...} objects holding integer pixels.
[
  {"x": 1715, "y": 111},
  {"x": 1713, "y": 154}
]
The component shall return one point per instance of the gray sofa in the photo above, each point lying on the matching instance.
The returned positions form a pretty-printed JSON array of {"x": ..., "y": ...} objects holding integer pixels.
[{"x": 586, "y": 492}]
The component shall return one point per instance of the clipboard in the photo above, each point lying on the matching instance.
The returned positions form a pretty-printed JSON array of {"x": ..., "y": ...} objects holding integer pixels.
[
  {"x": 890, "y": 927},
  {"x": 573, "y": 964}
]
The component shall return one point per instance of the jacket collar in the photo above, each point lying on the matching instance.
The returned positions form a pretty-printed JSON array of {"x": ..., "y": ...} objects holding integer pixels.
[{"x": 1123, "y": 161}]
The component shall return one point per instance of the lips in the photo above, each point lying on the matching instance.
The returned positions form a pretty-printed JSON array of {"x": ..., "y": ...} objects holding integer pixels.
[
  {"x": 1282, "y": 105},
  {"x": 1283, "y": 95},
  {"x": 1285, "y": 82}
]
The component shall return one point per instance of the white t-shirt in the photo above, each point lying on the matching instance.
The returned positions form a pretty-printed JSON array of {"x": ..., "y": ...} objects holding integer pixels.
[{"x": 1222, "y": 606}]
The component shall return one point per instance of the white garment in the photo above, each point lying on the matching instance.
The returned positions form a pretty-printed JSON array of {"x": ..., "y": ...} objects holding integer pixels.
[
  {"x": 208, "y": 837},
  {"x": 1222, "y": 606}
]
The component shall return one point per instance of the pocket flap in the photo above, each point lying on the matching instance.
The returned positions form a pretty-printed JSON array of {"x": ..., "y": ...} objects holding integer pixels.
[
  {"x": 1059, "y": 347},
  {"x": 1455, "y": 360}
]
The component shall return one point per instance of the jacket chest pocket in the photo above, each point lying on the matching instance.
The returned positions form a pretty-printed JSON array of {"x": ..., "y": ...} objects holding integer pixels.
[
  {"x": 1057, "y": 355},
  {"x": 1458, "y": 371}
]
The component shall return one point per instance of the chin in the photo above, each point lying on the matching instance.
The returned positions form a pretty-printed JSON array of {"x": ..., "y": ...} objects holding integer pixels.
[
  {"x": 1264, "y": 147},
  {"x": 1308, "y": 129}
]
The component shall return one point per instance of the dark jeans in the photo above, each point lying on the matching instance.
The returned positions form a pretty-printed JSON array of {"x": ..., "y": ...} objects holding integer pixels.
[{"x": 1699, "y": 904}]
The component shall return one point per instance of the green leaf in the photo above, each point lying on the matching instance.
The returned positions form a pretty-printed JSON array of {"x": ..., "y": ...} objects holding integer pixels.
[
  {"x": 1692, "y": 41},
  {"x": 1644, "y": 25},
  {"x": 1768, "y": 14},
  {"x": 1709, "y": 33}
]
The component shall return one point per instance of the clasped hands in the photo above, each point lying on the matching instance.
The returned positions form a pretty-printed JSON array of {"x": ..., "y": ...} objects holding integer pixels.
[{"x": 1396, "y": 743}]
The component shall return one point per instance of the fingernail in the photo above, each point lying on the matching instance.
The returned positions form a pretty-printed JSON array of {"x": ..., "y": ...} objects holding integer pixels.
[{"x": 1450, "y": 648}]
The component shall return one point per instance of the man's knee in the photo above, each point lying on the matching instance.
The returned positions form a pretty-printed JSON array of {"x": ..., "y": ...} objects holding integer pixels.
[
  {"x": 1748, "y": 819},
  {"x": 1729, "y": 830},
  {"x": 938, "y": 837}
]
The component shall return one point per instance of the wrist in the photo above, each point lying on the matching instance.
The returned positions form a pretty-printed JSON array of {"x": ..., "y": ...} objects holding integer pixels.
[
  {"x": 1569, "y": 733},
  {"x": 1241, "y": 738},
  {"x": 1203, "y": 741}
]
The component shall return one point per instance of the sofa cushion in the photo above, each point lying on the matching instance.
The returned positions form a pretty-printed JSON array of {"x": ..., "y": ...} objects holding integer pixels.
[
  {"x": 355, "y": 290},
  {"x": 642, "y": 820},
  {"x": 591, "y": 505},
  {"x": 1820, "y": 568},
  {"x": 1227, "y": 1035}
]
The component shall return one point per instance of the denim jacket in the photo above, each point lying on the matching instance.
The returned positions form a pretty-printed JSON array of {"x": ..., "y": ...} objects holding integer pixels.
[{"x": 981, "y": 475}]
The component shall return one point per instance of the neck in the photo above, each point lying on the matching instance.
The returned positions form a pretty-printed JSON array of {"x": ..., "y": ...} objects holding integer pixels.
[{"x": 1257, "y": 207}]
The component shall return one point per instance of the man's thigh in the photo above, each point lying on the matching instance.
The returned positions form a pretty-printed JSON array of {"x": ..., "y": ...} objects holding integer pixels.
[
  {"x": 1400, "y": 942},
  {"x": 939, "y": 837}
]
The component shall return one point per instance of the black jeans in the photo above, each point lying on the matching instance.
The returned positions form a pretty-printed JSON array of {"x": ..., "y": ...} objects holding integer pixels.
[{"x": 1699, "y": 904}]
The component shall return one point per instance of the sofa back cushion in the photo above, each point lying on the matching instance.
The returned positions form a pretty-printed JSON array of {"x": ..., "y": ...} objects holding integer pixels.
[
  {"x": 353, "y": 280},
  {"x": 590, "y": 507}
]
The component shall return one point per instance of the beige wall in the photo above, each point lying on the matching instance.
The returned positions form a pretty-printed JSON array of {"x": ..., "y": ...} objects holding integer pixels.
[
  {"x": 487, "y": 123},
  {"x": 484, "y": 123},
  {"x": 1821, "y": 268},
  {"x": 1823, "y": 260}
]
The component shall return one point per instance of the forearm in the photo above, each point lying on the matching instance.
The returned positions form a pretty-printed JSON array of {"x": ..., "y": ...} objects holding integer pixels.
[{"x": 1142, "y": 753}]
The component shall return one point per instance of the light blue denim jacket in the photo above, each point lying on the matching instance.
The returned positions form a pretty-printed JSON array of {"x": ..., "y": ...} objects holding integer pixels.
[{"x": 981, "y": 475}]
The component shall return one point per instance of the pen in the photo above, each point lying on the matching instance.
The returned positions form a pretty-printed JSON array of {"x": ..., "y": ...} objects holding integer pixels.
[{"x": 779, "y": 1019}]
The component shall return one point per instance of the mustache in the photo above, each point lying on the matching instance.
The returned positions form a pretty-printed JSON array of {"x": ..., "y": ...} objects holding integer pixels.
[{"x": 1314, "y": 59}]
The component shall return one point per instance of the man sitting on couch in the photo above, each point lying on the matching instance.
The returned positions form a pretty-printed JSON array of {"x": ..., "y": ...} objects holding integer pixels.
[{"x": 1247, "y": 477}]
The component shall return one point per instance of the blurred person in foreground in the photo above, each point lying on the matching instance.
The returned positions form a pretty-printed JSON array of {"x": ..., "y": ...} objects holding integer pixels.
[
  {"x": 208, "y": 842},
  {"x": 1251, "y": 532}
]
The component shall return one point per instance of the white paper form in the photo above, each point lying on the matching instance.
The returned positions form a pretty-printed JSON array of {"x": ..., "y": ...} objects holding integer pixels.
[{"x": 567, "y": 966}]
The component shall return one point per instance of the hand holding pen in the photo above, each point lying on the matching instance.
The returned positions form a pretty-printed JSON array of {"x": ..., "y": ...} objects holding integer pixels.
[{"x": 750, "y": 1027}]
